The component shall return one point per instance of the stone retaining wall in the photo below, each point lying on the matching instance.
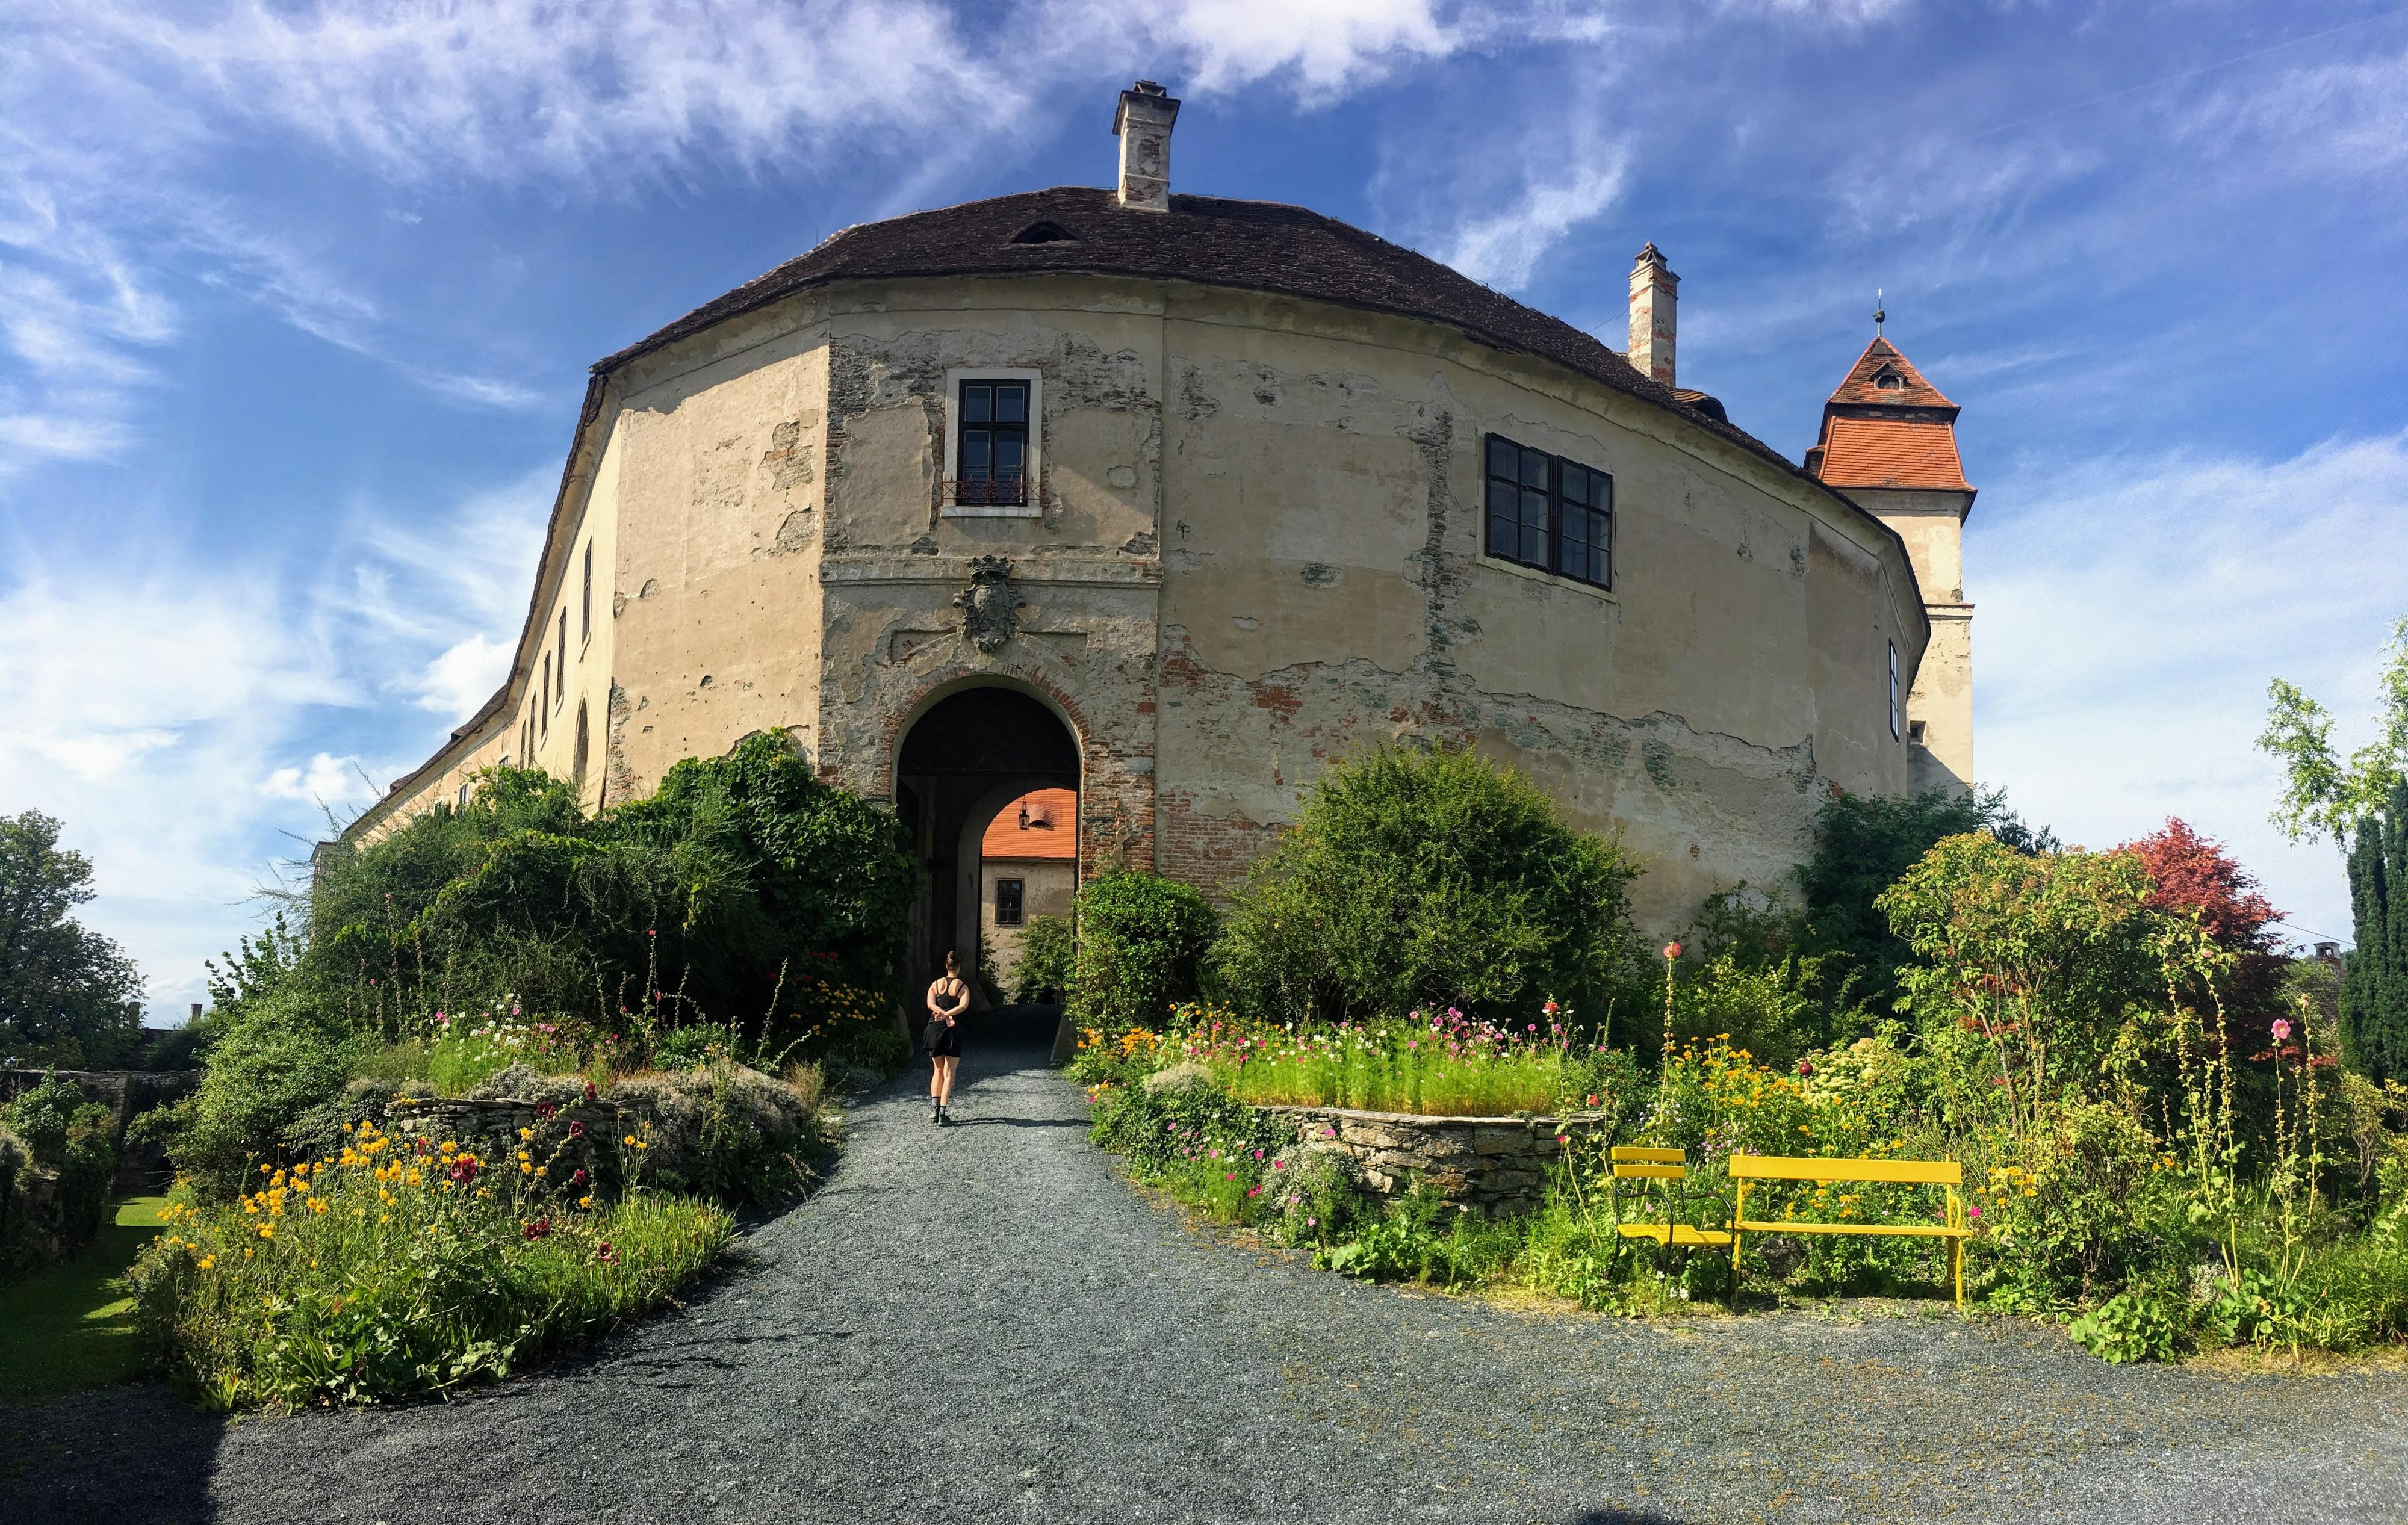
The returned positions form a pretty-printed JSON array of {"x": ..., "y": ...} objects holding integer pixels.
[{"x": 1494, "y": 1165}]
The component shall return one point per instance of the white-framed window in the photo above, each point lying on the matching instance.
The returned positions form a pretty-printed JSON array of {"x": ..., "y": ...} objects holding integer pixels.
[
  {"x": 1896, "y": 721},
  {"x": 994, "y": 444}
]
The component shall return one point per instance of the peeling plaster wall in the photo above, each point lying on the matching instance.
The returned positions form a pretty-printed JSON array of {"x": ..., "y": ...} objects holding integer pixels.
[
  {"x": 1324, "y": 589},
  {"x": 720, "y": 505},
  {"x": 1258, "y": 549}
]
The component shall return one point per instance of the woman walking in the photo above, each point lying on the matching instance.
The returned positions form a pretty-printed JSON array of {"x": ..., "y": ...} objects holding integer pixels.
[{"x": 948, "y": 997}]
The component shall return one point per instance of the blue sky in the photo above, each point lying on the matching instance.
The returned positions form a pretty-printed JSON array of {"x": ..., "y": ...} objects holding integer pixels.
[{"x": 296, "y": 299}]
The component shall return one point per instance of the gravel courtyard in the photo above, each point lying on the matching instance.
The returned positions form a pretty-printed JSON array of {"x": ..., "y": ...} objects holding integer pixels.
[{"x": 983, "y": 1323}]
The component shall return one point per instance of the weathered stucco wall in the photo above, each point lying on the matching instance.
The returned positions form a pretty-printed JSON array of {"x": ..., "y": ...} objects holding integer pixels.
[{"x": 1256, "y": 549}]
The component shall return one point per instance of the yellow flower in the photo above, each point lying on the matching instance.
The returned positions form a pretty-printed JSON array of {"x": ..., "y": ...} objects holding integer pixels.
[
  {"x": 207, "y": 1261},
  {"x": 525, "y": 1169},
  {"x": 268, "y": 1231},
  {"x": 585, "y": 1202}
]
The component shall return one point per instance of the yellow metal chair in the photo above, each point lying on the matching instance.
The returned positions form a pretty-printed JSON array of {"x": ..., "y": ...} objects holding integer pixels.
[{"x": 1667, "y": 1172}]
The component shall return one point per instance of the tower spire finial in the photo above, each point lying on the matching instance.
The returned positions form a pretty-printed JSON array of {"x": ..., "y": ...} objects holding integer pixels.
[{"x": 1880, "y": 317}]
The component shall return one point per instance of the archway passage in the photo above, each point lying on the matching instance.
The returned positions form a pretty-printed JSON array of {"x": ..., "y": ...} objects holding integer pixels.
[{"x": 973, "y": 755}]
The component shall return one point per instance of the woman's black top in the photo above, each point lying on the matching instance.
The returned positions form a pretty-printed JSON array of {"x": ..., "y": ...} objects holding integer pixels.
[{"x": 943, "y": 1039}]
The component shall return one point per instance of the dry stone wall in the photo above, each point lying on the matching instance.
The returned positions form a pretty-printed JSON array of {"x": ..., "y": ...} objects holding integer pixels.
[{"x": 1493, "y": 1165}]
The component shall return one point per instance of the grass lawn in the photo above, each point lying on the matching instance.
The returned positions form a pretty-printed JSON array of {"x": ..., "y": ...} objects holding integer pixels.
[{"x": 68, "y": 1325}]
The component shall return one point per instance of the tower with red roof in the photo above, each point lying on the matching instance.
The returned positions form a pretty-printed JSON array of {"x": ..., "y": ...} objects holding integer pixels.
[{"x": 1889, "y": 443}]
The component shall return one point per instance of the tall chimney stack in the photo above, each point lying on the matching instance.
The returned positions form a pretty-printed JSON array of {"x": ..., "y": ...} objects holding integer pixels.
[
  {"x": 1143, "y": 124},
  {"x": 1654, "y": 296}
]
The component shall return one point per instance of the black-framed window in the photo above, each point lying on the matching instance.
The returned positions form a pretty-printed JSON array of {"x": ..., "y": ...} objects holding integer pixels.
[
  {"x": 991, "y": 459},
  {"x": 1550, "y": 513},
  {"x": 1009, "y": 899}
]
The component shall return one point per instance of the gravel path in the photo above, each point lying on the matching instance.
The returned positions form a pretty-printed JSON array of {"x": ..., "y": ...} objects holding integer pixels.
[{"x": 983, "y": 1323}]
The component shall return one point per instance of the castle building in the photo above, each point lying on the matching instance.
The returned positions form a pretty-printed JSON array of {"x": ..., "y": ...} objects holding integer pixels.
[{"x": 1166, "y": 502}]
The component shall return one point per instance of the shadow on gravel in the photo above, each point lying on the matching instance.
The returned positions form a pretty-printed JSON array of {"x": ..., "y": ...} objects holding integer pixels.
[
  {"x": 110, "y": 1456},
  {"x": 1621, "y": 1517},
  {"x": 1016, "y": 1122}
]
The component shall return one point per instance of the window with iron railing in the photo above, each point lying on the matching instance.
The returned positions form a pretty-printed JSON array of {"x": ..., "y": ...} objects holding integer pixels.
[{"x": 991, "y": 458}]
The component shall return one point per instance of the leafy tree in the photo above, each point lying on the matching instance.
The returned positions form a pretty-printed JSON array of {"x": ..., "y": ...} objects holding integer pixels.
[
  {"x": 1863, "y": 844},
  {"x": 2375, "y": 983},
  {"x": 1045, "y": 959},
  {"x": 67, "y": 994},
  {"x": 2362, "y": 804},
  {"x": 2195, "y": 875},
  {"x": 1142, "y": 938},
  {"x": 1429, "y": 879},
  {"x": 2038, "y": 958}
]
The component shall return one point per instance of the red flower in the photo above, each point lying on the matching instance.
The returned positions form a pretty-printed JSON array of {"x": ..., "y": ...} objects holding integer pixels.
[
  {"x": 590, "y": 1092},
  {"x": 537, "y": 1229},
  {"x": 577, "y": 1179},
  {"x": 545, "y": 1110},
  {"x": 1805, "y": 1066},
  {"x": 604, "y": 1253},
  {"x": 576, "y": 1130},
  {"x": 464, "y": 1168}
]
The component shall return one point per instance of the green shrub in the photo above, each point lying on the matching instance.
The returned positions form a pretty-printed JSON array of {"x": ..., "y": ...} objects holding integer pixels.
[
  {"x": 52, "y": 1128},
  {"x": 869, "y": 1054},
  {"x": 1428, "y": 879},
  {"x": 689, "y": 1046},
  {"x": 2130, "y": 1326},
  {"x": 741, "y": 878},
  {"x": 1140, "y": 939},
  {"x": 383, "y": 1272},
  {"x": 1423, "y": 1237},
  {"x": 1046, "y": 960},
  {"x": 281, "y": 1054},
  {"x": 1178, "y": 1115},
  {"x": 731, "y": 1132}
]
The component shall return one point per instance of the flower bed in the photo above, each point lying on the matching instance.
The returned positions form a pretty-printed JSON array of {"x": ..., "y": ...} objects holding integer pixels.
[
  {"x": 400, "y": 1266},
  {"x": 1439, "y": 1063}
]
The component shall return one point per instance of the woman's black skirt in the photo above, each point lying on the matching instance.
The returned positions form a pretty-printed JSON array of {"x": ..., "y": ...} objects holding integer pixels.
[{"x": 942, "y": 1040}]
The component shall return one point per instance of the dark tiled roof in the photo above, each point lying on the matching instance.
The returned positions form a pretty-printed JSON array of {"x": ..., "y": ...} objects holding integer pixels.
[{"x": 1257, "y": 244}]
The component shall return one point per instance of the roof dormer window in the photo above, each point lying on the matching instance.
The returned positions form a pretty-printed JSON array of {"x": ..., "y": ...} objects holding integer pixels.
[
  {"x": 1044, "y": 233},
  {"x": 1889, "y": 380}
]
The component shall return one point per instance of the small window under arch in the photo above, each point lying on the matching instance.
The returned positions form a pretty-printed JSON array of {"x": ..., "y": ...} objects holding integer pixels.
[{"x": 1042, "y": 232}]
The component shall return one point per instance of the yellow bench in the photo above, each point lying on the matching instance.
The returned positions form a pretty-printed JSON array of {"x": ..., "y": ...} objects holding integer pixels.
[
  {"x": 1669, "y": 1170},
  {"x": 1774, "y": 1167}
]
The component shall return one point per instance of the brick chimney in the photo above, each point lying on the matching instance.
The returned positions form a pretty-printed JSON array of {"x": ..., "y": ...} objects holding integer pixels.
[
  {"x": 1143, "y": 124},
  {"x": 1653, "y": 294}
]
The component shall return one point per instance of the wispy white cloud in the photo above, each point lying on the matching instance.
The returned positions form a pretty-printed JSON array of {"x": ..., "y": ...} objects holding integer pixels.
[
  {"x": 456, "y": 683},
  {"x": 329, "y": 782},
  {"x": 2130, "y": 613},
  {"x": 178, "y": 722}
]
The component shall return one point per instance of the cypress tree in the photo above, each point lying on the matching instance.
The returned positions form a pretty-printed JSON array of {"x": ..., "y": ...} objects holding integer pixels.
[{"x": 2375, "y": 988}]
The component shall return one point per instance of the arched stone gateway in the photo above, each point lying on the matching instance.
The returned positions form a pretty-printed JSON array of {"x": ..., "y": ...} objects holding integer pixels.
[{"x": 961, "y": 761}]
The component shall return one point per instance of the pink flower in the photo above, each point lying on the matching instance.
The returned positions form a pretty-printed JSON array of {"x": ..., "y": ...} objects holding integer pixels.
[
  {"x": 2282, "y": 1029},
  {"x": 1975, "y": 1211}
]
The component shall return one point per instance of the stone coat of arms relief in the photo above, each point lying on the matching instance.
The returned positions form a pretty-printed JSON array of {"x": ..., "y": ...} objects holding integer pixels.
[{"x": 990, "y": 606}]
